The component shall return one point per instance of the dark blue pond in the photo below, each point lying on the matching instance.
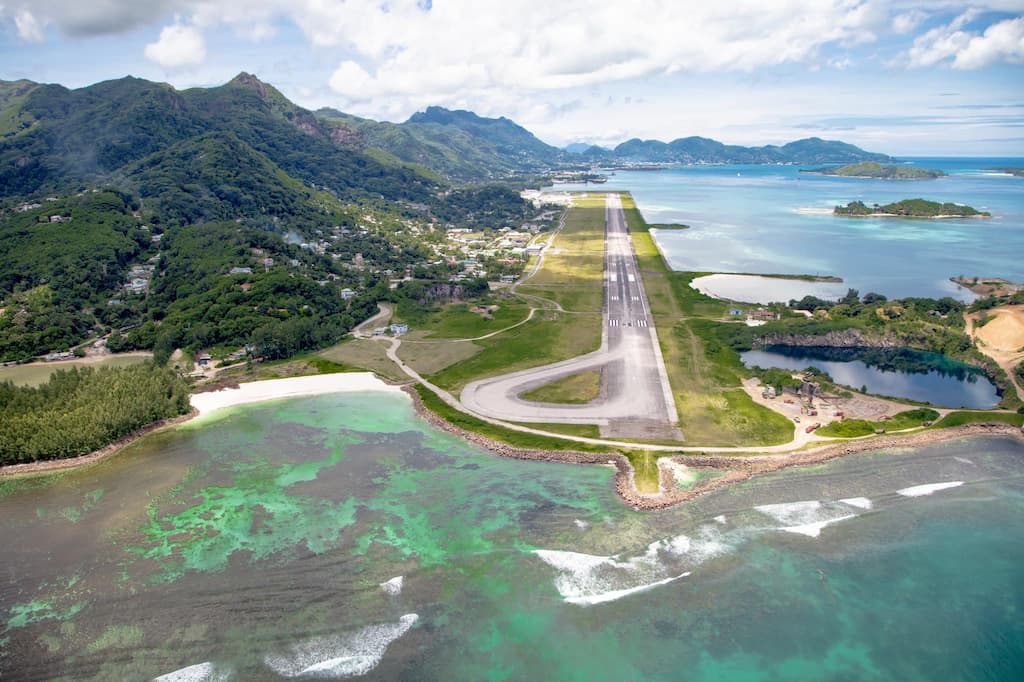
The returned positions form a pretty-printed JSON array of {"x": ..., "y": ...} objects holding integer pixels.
[{"x": 914, "y": 375}]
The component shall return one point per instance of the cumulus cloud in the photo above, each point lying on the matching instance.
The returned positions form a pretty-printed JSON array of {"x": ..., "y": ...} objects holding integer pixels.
[
  {"x": 1000, "y": 42},
  {"x": 28, "y": 27},
  {"x": 178, "y": 47},
  {"x": 908, "y": 21},
  {"x": 967, "y": 49}
]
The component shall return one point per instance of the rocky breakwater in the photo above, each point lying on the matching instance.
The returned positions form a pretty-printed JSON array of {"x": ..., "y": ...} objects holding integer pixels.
[{"x": 734, "y": 468}]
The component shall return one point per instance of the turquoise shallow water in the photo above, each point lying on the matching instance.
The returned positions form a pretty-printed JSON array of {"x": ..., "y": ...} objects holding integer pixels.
[
  {"x": 254, "y": 547},
  {"x": 745, "y": 219}
]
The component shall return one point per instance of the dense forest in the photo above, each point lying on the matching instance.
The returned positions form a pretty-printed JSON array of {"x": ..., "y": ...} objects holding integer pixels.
[{"x": 81, "y": 410}]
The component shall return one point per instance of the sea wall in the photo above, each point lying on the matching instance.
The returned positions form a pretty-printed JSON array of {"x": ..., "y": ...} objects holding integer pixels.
[{"x": 735, "y": 468}]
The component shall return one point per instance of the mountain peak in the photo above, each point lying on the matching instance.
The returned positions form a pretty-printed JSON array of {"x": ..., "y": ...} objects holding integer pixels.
[{"x": 250, "y": 81}]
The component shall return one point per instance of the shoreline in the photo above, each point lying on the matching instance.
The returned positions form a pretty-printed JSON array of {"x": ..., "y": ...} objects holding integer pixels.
[
  {"x": 736, "y": 469},
  {"x": 234, "y": 395},
  {"x": 49, "y": 466},
  {"x": 211, "y": 401}
]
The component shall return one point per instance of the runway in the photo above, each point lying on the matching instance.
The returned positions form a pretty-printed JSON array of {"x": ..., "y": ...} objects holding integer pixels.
[{"x": 636, "y": 400}]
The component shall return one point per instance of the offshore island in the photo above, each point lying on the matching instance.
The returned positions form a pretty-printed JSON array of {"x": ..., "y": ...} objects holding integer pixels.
[
  {"x": 910, "y": 208},
  {"x": 875, "y": 170}
]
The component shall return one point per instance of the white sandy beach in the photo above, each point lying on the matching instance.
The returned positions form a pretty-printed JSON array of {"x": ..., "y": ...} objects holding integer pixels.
[{"x": 294, "y": 387}]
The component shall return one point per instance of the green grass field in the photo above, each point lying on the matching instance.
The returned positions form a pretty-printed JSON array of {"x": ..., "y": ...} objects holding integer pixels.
[
  {"x": 573, "y": 269},
  {"x": 576, "y": 389},
  {"x": 548, "y": 337},
  {"x": 458, "y": 321},
  {"x": 961, "y": 418}
]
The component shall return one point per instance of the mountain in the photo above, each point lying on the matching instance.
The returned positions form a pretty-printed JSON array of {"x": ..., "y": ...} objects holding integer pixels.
[
  {"x": 458, "y": 145},
  {"x": 55, "y": 139},
  {"x": 701, "y": 150},
  {"x": 577, "y": 147}
]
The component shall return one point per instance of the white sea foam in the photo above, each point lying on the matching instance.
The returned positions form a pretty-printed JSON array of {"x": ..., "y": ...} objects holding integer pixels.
[
  {"x": 858, "y": 502},
  {"x": 612, "y": 595},
  {"x": 345, "y": 655},
  {"x": 928, "y": 488},
  {"x": 810, "y": 210},
  {"x": 590, "y": 579},
  {"x": 813, "y": 530},
  {"x": 200, "y": 672},
  {"x": 393, "y": 586},
  {"x": 807, "y": 517}
]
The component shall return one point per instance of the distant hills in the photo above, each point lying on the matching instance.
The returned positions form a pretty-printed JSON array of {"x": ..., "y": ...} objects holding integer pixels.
[
  {"x": 53, "y": 138},
  {"x": 703, "y": 150},
  {"x": 458, "y": 145}
]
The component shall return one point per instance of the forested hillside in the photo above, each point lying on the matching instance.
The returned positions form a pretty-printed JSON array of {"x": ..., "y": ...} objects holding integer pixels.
[{"x": 210, "y": 218}]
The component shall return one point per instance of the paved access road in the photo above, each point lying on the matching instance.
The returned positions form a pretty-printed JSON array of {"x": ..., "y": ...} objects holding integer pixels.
[{"x": 635, "y": 398}]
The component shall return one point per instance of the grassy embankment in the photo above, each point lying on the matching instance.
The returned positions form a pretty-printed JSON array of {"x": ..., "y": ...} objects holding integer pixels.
[
  {"x": 960, "y": 418},
  {"x": 705, "y": 374}
]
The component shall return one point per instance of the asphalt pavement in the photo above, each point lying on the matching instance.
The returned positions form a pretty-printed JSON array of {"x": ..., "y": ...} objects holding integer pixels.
[{"x": 636, "y": 400}]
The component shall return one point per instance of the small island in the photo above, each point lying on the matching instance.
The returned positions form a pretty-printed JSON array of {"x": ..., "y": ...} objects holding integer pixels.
[
  {"x": 910, "y": 208},
  {"x": 875, "y": 170}
]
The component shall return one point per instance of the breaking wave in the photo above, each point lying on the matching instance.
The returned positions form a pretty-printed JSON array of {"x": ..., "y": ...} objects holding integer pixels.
[
  {"x": 586, "y": 579},
  {"x": 809, "y": 517},
  {"x": 200, "y": 672},
  {"x": 338, "y": 656},
  {"x": 928, "y": 488}
]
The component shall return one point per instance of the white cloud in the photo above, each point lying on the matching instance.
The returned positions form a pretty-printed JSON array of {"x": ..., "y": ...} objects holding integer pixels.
[
  {"x": 1002, "y": 41},
  {"x": 28, "y": 26},
  {"x": 908, "y": 21},
  {"x": 179, "y": 46}
]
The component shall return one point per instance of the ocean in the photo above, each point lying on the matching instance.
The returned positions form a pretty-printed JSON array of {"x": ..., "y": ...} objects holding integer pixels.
[
  {"x": 755, "y": 219},
  {"x": 341, "y": 536}
]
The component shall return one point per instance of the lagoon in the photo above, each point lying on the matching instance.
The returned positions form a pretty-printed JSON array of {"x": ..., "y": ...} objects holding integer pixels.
[
  {"x": 267, "y": 543},
  {"x": 754, "y": 219}
]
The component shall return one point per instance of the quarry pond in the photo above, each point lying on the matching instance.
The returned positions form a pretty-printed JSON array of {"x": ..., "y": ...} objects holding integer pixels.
[
  {"x": 913, "y": 375},
  {"x": 340, "y": 536}
]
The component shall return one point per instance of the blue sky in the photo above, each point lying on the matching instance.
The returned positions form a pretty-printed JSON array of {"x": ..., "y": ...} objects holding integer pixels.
[{"x": 906, "y": 78}]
